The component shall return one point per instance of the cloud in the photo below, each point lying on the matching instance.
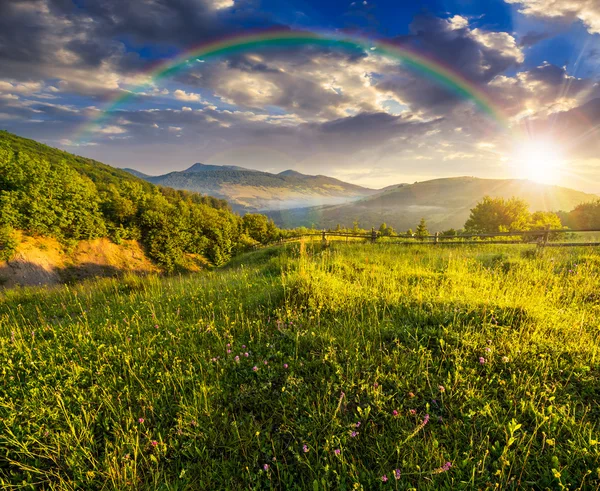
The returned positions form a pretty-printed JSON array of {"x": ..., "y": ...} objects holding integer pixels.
[
  {"x": 540, "y": 91},
  {"x": 181, "y": 95},
  {"x": 587, "y": 11}
]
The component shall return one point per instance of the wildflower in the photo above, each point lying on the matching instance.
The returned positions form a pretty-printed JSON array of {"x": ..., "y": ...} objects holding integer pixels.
[
  {"x": 357, "y": 424},
  {"x": 425, "y": 420},
  {"x": 246, "y": 355},
  {"x": 488, "y": 349},
  {"x": 354, "y": 434},
  {"x": 266, "y": 467},
  {"x": 337, "y": 451},
  {"x": 482, "y": 360},
  {"x": 154, "y": 443},
  {"x": 395, "y": 412},
  {"x": 193, "y": 423},
  {"x": 342, "y": 395},
  {"x": 305, "y": 448},
  {"x": 412, "y": 412},
  {"x": 237, "y": 358},
  {"x": 155, "y": 326},
  {"x": 444, "y": 468},
  {"x": 397, "y": 474},
  {"x": 384, "y": 478},
  {"x": 228, "y": 351},
  {"x": 229, "y": 345},
  {"x": 442, "y": 388},
  {"x": 505, "y": 359},
  {"x": 243, "y": 346},
  {"x": 255, "y": 368},
  {"x": 266, "y": 362},
  {"x": 285, "y": 365},
  {"x": 411, "y": 395},
  {"x": 141, "y": 420},
  {"x": 375, "y": 385}
]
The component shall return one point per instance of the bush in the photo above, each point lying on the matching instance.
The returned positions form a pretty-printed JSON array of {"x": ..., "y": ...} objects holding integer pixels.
[{"x": 8, "y": 243}]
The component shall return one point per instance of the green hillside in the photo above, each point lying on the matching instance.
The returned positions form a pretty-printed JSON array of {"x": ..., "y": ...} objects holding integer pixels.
[
  {"x": 48, "y": 192},
  {"x": 445, "y": 203},
  {"x": 248, "y": 189}
]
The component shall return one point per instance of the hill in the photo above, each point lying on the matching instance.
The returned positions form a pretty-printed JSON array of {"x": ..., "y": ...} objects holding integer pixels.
[
  {"x": 445, "y": 203},
  {"x": 45, "y": 192},
  {"x": 251, "y": 190}
]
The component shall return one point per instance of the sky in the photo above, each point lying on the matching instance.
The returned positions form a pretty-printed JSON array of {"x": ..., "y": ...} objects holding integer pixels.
[{"x": 354, "y": 114}]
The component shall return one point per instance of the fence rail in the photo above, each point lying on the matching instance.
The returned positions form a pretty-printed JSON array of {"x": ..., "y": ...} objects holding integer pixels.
[{"x": 542, "y": 238}]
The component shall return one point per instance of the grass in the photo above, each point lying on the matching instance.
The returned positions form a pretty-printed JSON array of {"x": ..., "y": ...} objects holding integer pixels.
[{"x": 472, "y": 367}]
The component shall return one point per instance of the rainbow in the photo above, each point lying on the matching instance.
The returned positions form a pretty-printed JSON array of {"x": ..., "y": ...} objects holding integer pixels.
[{"x": 427, "y": 66}]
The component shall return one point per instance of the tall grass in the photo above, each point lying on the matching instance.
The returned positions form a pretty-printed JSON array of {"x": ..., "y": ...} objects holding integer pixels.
[{"x": 358, "y": 366}]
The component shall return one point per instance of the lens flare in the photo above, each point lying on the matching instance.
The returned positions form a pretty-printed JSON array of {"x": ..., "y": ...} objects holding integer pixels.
[{"x": 539, "y": 160}]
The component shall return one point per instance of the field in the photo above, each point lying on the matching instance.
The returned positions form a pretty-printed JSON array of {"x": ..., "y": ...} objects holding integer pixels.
[{"x": 355, "y": 366}]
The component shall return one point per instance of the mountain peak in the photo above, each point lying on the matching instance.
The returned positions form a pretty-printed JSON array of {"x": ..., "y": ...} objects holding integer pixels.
[
  {"x": 291, "y": 173},
  {"x": 198, "y": 167}
]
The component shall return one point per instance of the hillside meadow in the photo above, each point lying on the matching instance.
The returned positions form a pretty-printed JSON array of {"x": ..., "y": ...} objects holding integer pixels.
[{"x": 353, "y": 366}]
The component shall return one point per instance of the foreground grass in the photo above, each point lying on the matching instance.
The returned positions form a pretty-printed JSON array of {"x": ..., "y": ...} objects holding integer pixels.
[{"x": 302, "y": 368}]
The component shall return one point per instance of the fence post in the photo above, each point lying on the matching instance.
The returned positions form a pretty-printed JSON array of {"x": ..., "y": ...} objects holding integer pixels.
[
  {"x": 373, "y": 235},
  {"x": 547, "y": 235},
  {"x": 437, "y": 238},
  {"x": 324, "y": 239}
]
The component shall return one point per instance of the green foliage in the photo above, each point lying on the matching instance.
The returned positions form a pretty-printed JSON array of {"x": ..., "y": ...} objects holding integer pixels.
[
  {"x": 421, "y": 232},
  {"x": 584, "y": 216},
  {"x": 8, "y": 243},
  {"x": 386, "y": 231},
  {"x": 483, "y": 357},
  {"x": 492, "y": 215},
  {"x": 48, "y": 192}
]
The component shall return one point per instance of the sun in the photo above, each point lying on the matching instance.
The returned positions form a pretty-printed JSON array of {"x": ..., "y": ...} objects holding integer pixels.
[{"x": 539, "y": 160}]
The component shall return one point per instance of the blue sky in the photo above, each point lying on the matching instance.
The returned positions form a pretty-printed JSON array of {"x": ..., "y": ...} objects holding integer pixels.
[{"x": 357, "y": 116}]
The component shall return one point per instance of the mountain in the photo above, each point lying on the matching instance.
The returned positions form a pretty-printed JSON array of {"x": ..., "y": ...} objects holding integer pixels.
[
  {"x": 252, "y": 190},
  {"x": 444, "y": 203}
]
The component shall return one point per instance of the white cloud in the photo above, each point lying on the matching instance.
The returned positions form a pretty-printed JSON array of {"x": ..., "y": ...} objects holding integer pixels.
[
  {"x": 221, "y": 4},
  {"x": 587, "y": 11},
  {"x": 181, "y": 95}
]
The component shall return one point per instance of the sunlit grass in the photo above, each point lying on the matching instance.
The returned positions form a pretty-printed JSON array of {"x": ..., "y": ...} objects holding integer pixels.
[{"x": 129, "y": 383}]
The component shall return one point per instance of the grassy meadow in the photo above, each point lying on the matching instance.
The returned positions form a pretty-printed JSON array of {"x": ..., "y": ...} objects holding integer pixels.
[{"x": 355, "y": 366}]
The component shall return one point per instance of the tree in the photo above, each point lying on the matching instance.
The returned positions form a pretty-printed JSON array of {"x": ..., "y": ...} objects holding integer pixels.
[
  {"x": 493, "y": 215},
  {"x": 409, "y": 232},
  {"x": 421, "y": 231},
  {"x": 585, "y": 216}
]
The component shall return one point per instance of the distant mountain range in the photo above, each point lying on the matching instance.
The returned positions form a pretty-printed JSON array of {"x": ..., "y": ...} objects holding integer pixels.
[
  {"x": 445, "y": 203},
  {"x": 253, "y": 190}
]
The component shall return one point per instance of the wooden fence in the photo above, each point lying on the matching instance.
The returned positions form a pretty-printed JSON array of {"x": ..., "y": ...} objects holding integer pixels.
[{"x": 542, "y": 238}]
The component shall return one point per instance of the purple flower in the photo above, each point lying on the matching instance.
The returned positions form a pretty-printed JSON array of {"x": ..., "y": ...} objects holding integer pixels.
[
  {"x": 266, "y": 467},
  {"x": 342, "y": 395},
  {"x": 255, "y": 368},
  {"x": 154, "y": 443},
  {"x": 243, "y": 346},
  {"x": 228, "y": 351},
  {"x": 155, "y": 326},
  {"x": 395, "y": 412},
  {"x": 285, "y": 365},
  {"x": 266, "y": 362},
  {"x": 412, "y": 412},
  {"x": 482, "y": 360},
  {"x": 305, "y": 448},
  {"x": 353, "y": 434},
  {"x": 141, "y": 421},
  {"x": 384, "y": 478},
  {"x": 237, "y": 358},
  {"x": 397, "y": 474},
  {"x": 375, "y": 385},
  {"x": 426, "y": 419},
  {"x": 488, "y": 349},
  {"x": 246, "y": 355},
  {"x": 229, "y": 345},
  {"x": 357, "y": 424},
  {"x": 337, "y": 451}
]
